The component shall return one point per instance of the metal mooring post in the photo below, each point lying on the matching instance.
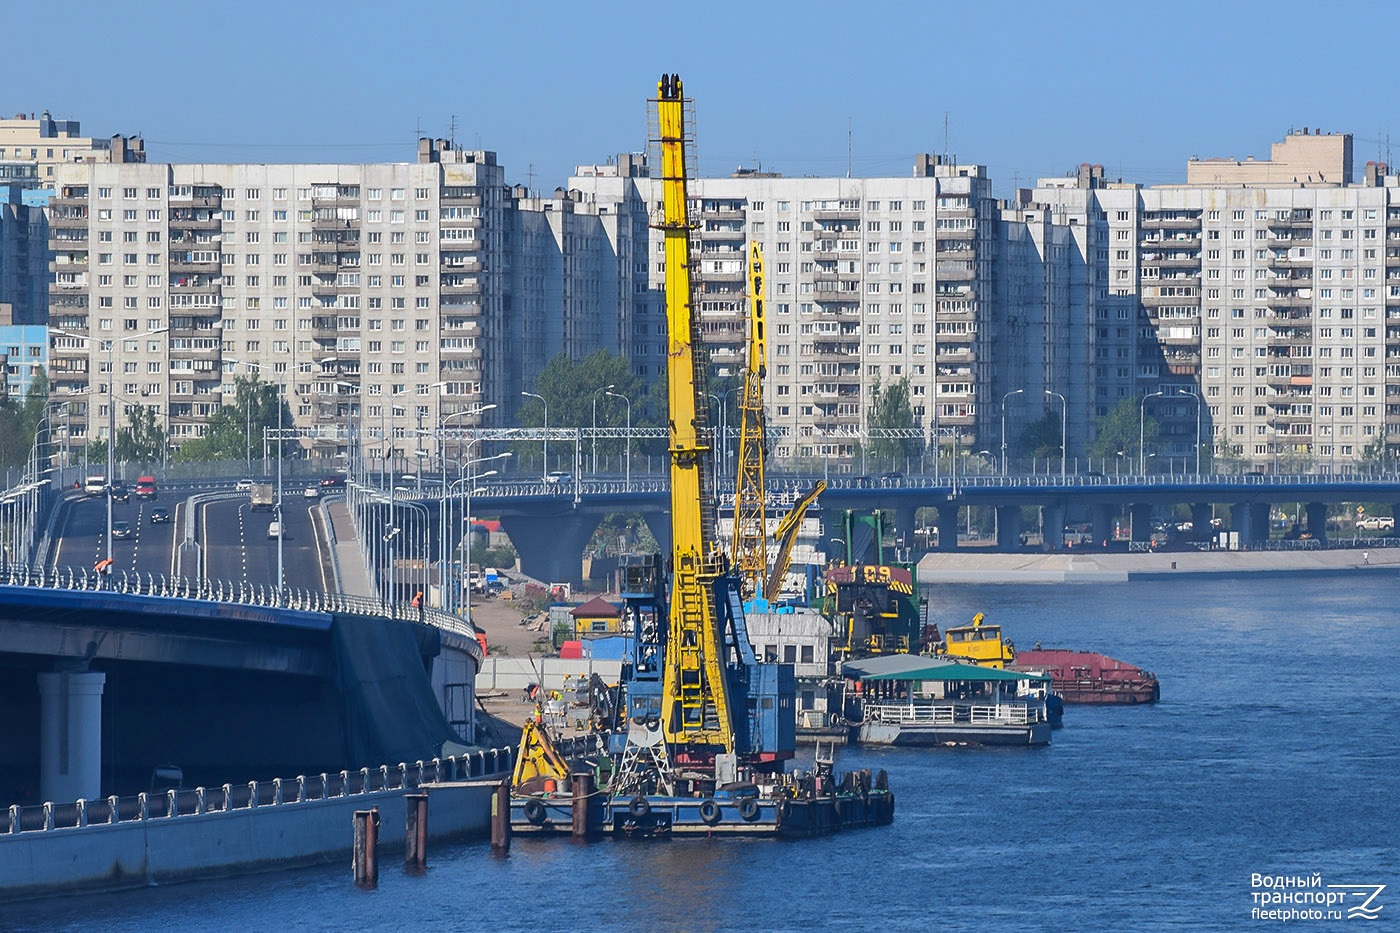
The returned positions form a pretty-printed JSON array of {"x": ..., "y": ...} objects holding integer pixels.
[
  {"x": 415, "y": 832},
  {"x": 583, "y": 800},
  {"x": 366, "y": 861},
  {"x": 500, "y": 818}
]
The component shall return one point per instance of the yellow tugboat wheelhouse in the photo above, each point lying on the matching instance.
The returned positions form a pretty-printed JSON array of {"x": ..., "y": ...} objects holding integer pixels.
[{"x": 978, "y": 643}]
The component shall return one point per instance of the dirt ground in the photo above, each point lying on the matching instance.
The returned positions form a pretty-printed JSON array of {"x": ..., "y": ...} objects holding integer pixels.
[{"x": 508, "y": 634}]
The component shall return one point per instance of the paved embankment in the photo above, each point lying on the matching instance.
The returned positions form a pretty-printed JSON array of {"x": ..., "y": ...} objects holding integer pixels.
[{"x": 1090, "y": 567}]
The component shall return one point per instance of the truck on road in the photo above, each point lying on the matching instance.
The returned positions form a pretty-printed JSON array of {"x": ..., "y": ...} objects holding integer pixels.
[{"x": 260, "y": 497}]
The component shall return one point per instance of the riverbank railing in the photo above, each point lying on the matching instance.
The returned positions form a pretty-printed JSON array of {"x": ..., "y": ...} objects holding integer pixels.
[{"x": 278, "y": 792}]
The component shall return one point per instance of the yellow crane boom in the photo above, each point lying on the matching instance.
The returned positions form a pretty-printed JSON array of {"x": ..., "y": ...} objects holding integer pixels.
[
  {"x": 695, "y": 700},
  {"x": 786, "y": 535},
  {"x": 750, "y": 550}
]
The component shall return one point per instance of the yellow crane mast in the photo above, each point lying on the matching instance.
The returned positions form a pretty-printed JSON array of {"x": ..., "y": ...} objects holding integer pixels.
[
  {"x": 750, "y": 546},
  {"x": 695, "y": 701}
]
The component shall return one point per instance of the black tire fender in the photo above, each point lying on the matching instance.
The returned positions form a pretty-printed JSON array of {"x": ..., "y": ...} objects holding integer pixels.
[
  {"x": 709, "y": 812},
  {"x": 639, "y": 806},
  {"x": 534, "y": 812},
  {"x": 748, "y": 809}
]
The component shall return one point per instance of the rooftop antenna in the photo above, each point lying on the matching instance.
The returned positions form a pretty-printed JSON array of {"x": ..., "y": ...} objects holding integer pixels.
[
  {"x": 529, "y": 177},
  {"x": 848, "y": 147},
  {"x": 945, "y": 137},
  {"x": 452, "y": 131}
]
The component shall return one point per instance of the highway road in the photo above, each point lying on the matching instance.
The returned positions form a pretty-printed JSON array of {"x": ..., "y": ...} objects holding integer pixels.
[
  {"x": 81, "y": 535},
  {"x": 233, "y": 538},
  {"x": 236, "y": 545}
]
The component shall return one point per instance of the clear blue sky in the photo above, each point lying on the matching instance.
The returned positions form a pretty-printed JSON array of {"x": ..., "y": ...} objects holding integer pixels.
[{"x": 1030, "y": 89}]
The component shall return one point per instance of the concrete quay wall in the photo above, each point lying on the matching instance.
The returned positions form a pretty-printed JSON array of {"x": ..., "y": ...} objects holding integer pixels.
[
  {"x": 159, "y": 850},
  {"x": 1093, "y": 567}
]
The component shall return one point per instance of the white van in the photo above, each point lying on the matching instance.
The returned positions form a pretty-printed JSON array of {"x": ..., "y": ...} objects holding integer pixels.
[
  {"x": 274, "y": 530},
  {"x": 95, "y": 485}
]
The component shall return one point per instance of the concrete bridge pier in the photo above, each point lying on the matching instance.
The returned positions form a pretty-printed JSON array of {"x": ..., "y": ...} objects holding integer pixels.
[
  {"x": 1141, "y": 521},
  {"x": 1008, "y": 527},
  {"x": 1102, "y": 517},
  {"x": 1251, "y": 520},
  {"x": 551, "y": 546},
  {"x": 904, "y": 525},
  {"x": 1201, "y": 514},
  {"x": 1317, "y": 520},
  {"x": 70, "y": 735},
  {"x": 948, "y": 526},
  {"x": 1052, "y": 526}
]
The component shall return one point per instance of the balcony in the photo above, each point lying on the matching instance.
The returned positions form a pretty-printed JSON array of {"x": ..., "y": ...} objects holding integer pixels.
[
  {"x": 1290, "y": 301},
  {"x": 840, "y": 214},
  {"x": 454, "y": 286},
  {"x": 1172, "y": 223},
  {"x": 184, "y": 267}
]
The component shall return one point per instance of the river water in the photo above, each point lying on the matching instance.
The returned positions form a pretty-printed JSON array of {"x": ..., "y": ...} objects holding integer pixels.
[{"x": 1273, "y": 752}]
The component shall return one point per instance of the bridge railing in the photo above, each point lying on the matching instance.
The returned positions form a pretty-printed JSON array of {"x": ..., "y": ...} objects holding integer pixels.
[
  {"x": 229, "y": 591},
  {"x": 278, "y": 792}
]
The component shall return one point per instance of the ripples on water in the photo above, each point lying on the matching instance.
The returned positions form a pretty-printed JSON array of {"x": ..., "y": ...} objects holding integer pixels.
[{"x": 1272, "y": 751}]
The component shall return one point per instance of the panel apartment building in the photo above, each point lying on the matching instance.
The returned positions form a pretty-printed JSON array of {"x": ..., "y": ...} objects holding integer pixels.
[
  {"x": 395, "y": 298},
  {"x": 870, "y": 281},
  {"x": 1268, "y": 290}
]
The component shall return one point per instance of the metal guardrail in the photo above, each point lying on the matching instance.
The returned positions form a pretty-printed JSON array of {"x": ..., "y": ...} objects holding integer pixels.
[
  {"x": 236, "y": 593},
  {"x": 278, "y": 792}
]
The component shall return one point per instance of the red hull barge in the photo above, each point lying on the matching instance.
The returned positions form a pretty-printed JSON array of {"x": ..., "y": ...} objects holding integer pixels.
[{"x": 1087, "y": 677}]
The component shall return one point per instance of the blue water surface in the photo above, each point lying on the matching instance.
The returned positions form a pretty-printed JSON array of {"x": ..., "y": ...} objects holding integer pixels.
[{"x": 1273, "y": 751}]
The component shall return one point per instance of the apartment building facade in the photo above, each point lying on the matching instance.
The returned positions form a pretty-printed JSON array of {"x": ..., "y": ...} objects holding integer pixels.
[
  {"x": 49, "y": 143},
  {"x": 870, "y": 281},
  {"x": 1266, "y": 311},
  {"x": 370, "y": 292}
]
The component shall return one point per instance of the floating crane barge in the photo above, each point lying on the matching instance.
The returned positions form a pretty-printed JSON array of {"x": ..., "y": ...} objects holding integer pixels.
[{"x": 703, "y": 729}]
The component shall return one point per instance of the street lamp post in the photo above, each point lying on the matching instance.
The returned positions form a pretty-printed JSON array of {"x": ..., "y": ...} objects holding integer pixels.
[
  {"x": 595, "y": 425},
  {"x": 1142, "y": 431},
  {"x": 1197, "y": 397},
  {"x": 629, "y": 432},
  {"x": 443, "y": 506},
  {"x": 545, "y": 472},
  {"x": 465, "y": 532},
  {"x": 1003, "y": 426},
  {"x": 1064, "y": 430}
]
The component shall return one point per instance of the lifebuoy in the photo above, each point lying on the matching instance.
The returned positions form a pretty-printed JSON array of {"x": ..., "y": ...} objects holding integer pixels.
[
  {"x": 748, "y": 809},
  {"x": 534, "y": 812},
  {"x": 709, "y": 812},
  {"x": 639, "y": 806}
]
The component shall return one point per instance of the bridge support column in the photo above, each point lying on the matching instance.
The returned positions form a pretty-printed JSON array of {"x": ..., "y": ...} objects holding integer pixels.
[
  {"x": 70, "y": 735},
  {"x": 1008, "y": 528},
  {"x": 1317, "y": 520},
  {"x": 948, "y": 526},
  {"x": 1201, "y": 514},
  {"x": 904, "y": 526},
  {"x": 551, "y": 547},
  {"x": 1052, "y": 527},
  {"x": 1102, "y": 517},
  {"x": 1141, "y": 514},
  {"x": 1251, "y": 520}
]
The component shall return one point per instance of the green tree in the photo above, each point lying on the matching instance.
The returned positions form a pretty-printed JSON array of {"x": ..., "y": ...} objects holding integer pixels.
[
  {"x": 1117, "y": 433},
  {"x": 569, "y": 389},
  {"x": 890, "y": 411},
  {"x": 1041, "y": 438},
  {"x": 19, "y": 421},
  {"x": 143, "y": 439},
  {"x": 236, "y": 429}
]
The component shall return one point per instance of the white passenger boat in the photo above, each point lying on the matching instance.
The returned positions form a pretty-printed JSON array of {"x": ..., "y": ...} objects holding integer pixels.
[{"x": 915, "y": 700}]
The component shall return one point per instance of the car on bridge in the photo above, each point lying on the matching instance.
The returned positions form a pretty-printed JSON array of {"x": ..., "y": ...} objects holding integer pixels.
[
  {"x": 120, "y": 492},
  {"x": 274, "y": 530},
  {"x": 95, "y": 485},
  {"x": 121, "y": 530},
  {"x": 146, "y": 487},
  {"x": 311, "y": 492},
  {"x": 160, "y": 516},
  {"x": 243, "y": 485},
  {"x": 332, "y": 482},
  {"x": 558, "y": 477}
]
